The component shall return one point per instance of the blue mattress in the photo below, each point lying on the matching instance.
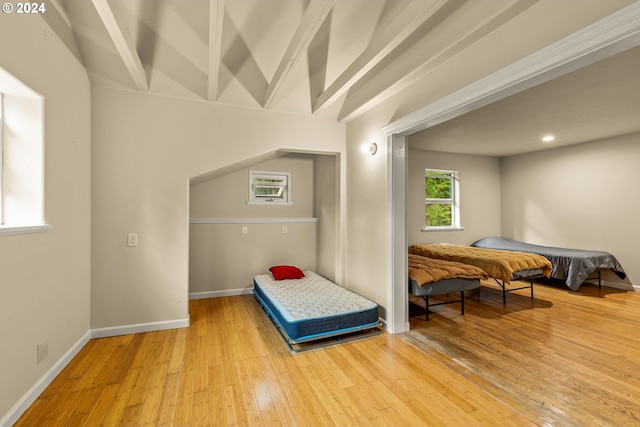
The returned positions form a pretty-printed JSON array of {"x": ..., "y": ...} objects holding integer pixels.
[{"x": 313, "y": 307}]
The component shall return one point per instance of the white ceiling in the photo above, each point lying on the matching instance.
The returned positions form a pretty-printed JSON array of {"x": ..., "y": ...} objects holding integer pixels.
[
  {"x": 596, "y": 102},
  {"x": 338, "y": 59},
  {"x": 333, "y": 58}
]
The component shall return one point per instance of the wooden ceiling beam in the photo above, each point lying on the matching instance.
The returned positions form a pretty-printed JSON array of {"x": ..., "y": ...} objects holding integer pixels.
[
  {"x": 375, "y": 91},
  {"x": 123, "y": 42},
  {"x": 385, "y": 41},
  {"x": 311, "y": 22},
  {"x": 216, "y": 19}
]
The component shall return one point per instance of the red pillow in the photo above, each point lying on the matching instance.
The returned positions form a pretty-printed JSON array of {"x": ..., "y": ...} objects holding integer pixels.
[{"x": 281, "y": 272}]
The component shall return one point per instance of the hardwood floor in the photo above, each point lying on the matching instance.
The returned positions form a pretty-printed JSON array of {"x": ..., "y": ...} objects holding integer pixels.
[{"x": 563, "y": 358}]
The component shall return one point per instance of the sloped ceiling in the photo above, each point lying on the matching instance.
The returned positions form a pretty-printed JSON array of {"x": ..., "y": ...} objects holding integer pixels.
[{"x": 334, "y": 58}]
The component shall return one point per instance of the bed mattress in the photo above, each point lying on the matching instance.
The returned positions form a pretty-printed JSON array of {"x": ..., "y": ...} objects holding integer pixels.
[
  {"x": 571, "y": 265},
  {"x": 501, "y": 265},
  {"x": 425, "y": 270},
  {"x": 313, "y": 307}
]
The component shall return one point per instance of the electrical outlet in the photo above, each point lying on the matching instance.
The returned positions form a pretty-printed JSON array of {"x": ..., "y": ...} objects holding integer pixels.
[
  {"x": 132, "y": 239},
  {"x": 285, "y": 229},
  {"x": 245, "y": 230},
  {"x": 43, "y": 350}
]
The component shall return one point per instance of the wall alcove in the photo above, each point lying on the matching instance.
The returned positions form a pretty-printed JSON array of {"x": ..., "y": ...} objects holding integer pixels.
[{"x": 230, "y": 240}]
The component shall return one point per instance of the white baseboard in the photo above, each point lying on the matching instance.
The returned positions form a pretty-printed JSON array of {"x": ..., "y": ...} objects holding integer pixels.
[
  {"x": 23, "y": 404},
  {"x": 139, "y": 328},
  {"x": 617, "y": 285},
  {"x": 30, "y": 396},
  {"x": 215, "y": 294}
]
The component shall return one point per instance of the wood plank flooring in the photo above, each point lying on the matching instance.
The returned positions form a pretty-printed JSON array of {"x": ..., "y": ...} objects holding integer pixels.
[{"x": 563, "y": 358}]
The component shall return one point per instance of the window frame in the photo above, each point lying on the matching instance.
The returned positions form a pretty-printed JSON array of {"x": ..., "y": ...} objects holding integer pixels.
[
  {"x": 1, "y": 158},
  {"x": 453, "y": 201},
  {"x": 285, "y": 189},
  {"x": 23, "y": 207}
]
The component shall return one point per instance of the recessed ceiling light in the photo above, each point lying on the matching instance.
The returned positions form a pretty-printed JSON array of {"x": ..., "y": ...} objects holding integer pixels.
[{"x": 548, "y": 138}]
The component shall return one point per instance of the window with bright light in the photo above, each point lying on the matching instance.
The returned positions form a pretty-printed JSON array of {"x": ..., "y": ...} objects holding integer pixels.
[
  {"x": 442, "y": 207},
  {"x": 21, "y": 157},
  {"x": 269, "y": 187},
  {"x": 1, "y": 161}
]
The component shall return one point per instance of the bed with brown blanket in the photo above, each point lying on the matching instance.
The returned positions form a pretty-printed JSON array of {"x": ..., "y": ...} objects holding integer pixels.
[
  {"x": 503, "y": 266},
  {"x": 429, "y": 276}
]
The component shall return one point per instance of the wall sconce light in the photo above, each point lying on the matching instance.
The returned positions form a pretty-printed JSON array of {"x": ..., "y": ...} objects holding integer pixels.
[{"x": 373, "y": 148}]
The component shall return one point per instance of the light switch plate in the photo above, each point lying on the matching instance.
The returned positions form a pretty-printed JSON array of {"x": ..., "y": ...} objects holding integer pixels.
[
  {"x": 132, "y": 239},
  {"x": 43, "y": 350}
]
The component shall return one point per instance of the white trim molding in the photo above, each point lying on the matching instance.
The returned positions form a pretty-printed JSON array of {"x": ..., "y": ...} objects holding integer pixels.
[
  {"x": 619, "y": 285},
  {"x": 225, "y": 293},
  {"x": 253, "y": 220},
  {"x": 397, "y": 295},
  {"x": 8, "y": 230},
  {"x": 140, "y": 328}
]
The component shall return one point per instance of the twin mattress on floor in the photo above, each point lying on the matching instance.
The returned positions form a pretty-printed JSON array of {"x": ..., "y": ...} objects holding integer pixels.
[{"x": 312, "y": 308}]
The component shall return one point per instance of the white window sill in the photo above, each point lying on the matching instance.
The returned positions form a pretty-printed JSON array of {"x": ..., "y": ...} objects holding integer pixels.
[
  {"x": 443, "y": 229},
  {"x": 10, "y": 230},
  {"x": 272, "y": 203}
]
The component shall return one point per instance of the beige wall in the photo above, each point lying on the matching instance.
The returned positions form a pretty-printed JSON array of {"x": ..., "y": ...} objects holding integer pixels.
[
  {"x": 366, "y": 243},
  {"x": 326, "y": 208},
  {"x": 223, "y": 261},
  {"x": 221, "y": 257},
  {"x": 45, "y": 277},
  {"x": 582, "y": 196},
  {"x": 226, "y": 196},
  {"x": 145, "y": 150},
  {"x": 479, "y": 196}
]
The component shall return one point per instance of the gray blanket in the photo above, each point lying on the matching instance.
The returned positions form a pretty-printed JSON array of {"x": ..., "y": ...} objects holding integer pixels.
[{"x": 571, "y": 265}]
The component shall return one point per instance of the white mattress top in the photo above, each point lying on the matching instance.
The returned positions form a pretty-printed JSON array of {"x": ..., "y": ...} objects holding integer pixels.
[{"x": 311, "y": 297}]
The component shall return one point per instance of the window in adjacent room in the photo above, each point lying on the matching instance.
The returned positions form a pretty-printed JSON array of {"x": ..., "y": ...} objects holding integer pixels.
[
  {"x": 269, "y": 187},
  {"x": 442, "y": 200}
]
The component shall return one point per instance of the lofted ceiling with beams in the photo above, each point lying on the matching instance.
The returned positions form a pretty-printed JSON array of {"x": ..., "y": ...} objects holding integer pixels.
[{"x": 333, "y": 58}]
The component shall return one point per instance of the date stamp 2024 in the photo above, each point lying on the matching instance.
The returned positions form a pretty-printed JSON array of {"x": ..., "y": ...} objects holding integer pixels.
[{"x": 24, "y": 8}]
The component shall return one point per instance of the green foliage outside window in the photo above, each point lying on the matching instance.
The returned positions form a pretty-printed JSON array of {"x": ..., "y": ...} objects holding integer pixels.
[
  {"x": 269, "y": 187},
  {"x": 439, "y": 198},
  {"x": 438, "y": 216}
]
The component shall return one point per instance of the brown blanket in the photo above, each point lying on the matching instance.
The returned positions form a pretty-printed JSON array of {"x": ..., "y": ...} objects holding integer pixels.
[
  {"x": 425, "y": 270},
  {"x": 498, "y": 264}
]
